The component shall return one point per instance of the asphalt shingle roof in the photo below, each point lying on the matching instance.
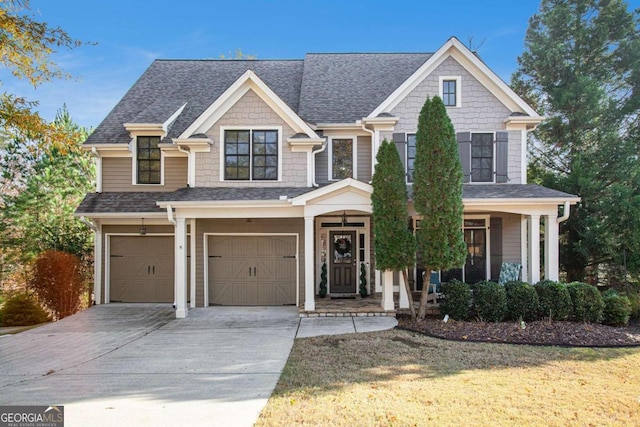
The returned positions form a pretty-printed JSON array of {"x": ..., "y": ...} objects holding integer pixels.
[
  {"x": 507, "y": 191},
  {"x": 327, "y": 88}
]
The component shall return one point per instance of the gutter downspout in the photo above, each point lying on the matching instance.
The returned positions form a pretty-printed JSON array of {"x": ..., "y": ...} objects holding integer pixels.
[
  {"x": 96, "y": 295},
  {"x": 313, "y": 157},
  {"x": 170, "y": 215},
  {"x": 565, "y": 213},
  {"x": 88, "y": 223},
  {"x": 190, "y": 182},
  {"x": 98, "y": 169}
]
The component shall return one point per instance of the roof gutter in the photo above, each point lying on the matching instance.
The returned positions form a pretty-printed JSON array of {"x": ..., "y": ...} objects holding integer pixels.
[{"x": 313, "y": 163}]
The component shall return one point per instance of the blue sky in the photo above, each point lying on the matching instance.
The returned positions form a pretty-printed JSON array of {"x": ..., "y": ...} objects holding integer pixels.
[{"x": 129, "y": 35}]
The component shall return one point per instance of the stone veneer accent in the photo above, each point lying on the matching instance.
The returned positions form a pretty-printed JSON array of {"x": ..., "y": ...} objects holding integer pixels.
[{"x": 253, "y": 112}]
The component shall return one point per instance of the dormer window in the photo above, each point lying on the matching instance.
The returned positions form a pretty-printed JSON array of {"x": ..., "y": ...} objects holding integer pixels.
[
  {"x": 251, "y": 154},
  {"x": 450, "y": 90},
  {"x": 148, "y": 160}
]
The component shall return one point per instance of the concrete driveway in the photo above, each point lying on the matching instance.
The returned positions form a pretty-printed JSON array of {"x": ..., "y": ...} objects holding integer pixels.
[{"x": 135, "y": 364}]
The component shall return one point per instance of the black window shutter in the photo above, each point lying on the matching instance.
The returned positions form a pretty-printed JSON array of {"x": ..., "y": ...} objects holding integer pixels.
[
  {"x": 401, "y": 143},
  {"x": 464, "y": 151},
  {"x": 502, "y": 156},
  {"x": 495, "y": 231}
]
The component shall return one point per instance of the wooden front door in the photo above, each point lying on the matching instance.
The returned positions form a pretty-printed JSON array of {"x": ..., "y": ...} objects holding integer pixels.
[{"x": 343, "y": 262}]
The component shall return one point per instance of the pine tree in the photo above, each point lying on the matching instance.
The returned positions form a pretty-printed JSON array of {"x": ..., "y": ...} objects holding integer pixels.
[
  {"x": 437, "y": 194},
  {"x": 393, "y": 241}
]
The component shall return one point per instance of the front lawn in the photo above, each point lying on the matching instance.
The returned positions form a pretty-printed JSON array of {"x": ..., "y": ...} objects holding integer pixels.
[{"x": 403, "y": 378}]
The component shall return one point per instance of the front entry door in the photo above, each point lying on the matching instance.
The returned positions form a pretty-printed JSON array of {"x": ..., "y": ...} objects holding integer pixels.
[{"x": 343, "y": 262}]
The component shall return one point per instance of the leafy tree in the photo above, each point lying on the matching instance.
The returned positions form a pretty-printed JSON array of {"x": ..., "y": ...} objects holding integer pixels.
[
  {"x": 42, "y": 191},
  {"x": 393, "y": 241},
  {"x": 581, "y": 70},
  {"x": 26, "y": 46},
  {"x": 437, "y": 193}
]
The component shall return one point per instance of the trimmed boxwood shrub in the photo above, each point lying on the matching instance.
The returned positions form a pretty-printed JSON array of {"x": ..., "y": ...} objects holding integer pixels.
[
  {"x": 586, "y": 301},
  {"x": 555, "y": 301},
  {"x": 22, "y": 310},
  {"x": 522, "y": 301},
  {"x": 617, "y": 308},
  {"x": 490, "y": 301},
  {"x": 457, "y": 296}
]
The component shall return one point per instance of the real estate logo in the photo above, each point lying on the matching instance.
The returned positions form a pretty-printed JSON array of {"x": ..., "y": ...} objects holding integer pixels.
[{"x": 31, "y": 416}]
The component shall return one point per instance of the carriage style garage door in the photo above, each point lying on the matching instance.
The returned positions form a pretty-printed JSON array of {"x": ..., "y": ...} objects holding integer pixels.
[
  {"x": 141, "y": 269},
  {"x": 252, "y": 270}
]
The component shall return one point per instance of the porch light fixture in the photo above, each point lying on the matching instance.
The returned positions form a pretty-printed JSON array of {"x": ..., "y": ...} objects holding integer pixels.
[
  {"x": 143, "y": 229},
  {"x": 344, "y": 218}
]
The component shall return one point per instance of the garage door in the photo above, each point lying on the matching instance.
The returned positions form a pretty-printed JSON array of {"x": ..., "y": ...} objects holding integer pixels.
[
  {"x": 252, "y": 270},
  {"x": 141, "y": 269}
]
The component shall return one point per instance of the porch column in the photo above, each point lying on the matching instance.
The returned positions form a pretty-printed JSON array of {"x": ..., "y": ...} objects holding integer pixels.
[
  {"x": 97, "y": 265},
  {"x": 387, "y": 291},
  {"x": 524, "y": 247},
  {"x": 181, "y": 268},
  {"x": 309, "y": 283},
  {"x": 403, "y": 302},
  {"x": 551, "y": 251},
  {"x": 534, "y": 248},
  {"x": 192, "y": 263}
]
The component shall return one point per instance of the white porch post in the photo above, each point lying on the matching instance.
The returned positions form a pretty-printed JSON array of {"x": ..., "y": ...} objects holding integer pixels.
[
  {"x": 192, "y": 263},
  {"x": 403, "y": 301},
  {"x": 181, "y": 268},
  {"x": 534, "y": 248},
  {"x": 309, "y": 283},
  {"x": 551, "y": 251},
  {"x": 387, "y": 291},
  {"x": 97, "y": 265},
  {"x": 524, "y": 247}
]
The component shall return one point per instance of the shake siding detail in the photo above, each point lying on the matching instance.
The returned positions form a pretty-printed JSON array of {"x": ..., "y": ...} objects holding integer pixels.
[
  {"x": 364, "y": 158},
  {"x": 251, "y": 111},
  {"x": 241, "y": 226},
  {"x": 117, "y": 175}
]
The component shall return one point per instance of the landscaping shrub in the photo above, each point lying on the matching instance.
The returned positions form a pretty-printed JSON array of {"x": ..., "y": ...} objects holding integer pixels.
[
  {"x": 617, "y": 308},
  {"x": 586, "y": 302},
  {"x": 554, "y": 298},
  {"x": 457, "y": 296},
  {"x": 22, "y": 310},
  {"x": 633, "y": 293},
  {"x": 522, "y": 301},
  {"x": 57, "y": 281},
  {"x": 490, "y": 301}
]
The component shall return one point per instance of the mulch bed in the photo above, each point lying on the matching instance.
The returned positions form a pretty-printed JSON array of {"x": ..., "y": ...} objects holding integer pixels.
[{"x": 534, "y": 333}]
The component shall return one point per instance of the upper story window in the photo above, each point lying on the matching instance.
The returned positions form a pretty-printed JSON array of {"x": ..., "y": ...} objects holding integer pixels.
[
  {"x": 411, "y": 155},
  {"x": 341, "y": 158},
  {"x": 251, "y": 155},
  {"x": 482, "y": 157},
  {"x": 148, "y": 160},
  {"x": 450, "y": 90}
]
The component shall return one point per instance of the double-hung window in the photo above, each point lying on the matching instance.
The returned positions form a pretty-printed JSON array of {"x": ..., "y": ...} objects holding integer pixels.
[
  {"x": 148, "y": 160},
  {"x": 411, "y": 155},
  {"x": 251, "y": 155},
  {"x": 341, "y": 158},
  {"x": 450, "y": 90},
  {"x": 482, "y": 157}
]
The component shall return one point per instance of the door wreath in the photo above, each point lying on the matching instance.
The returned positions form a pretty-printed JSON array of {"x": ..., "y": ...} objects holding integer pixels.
[{"x": 342, "y": 246}]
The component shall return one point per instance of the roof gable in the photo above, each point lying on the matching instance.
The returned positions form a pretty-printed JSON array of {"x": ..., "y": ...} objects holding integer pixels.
[{"x": 453, "y": 48}]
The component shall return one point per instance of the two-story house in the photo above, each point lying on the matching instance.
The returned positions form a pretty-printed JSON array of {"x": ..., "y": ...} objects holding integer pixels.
[{"x": 231, "y": 182}]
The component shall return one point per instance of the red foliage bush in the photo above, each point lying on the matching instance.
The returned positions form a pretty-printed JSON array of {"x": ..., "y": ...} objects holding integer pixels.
[{"x": 57, "y": 279}]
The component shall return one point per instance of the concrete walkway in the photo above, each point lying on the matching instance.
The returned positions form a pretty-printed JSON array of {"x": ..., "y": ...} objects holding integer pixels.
[{"x": 135, "y": 364}]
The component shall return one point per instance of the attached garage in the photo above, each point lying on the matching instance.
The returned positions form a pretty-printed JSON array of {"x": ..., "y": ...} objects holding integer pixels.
[
  {"x": 252, "y": 270},
  {"x": 141, "y": 269}
]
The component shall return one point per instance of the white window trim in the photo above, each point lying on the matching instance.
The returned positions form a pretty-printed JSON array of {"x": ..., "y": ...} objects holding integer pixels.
[
  {"x": 493, "y": 160},
  {"x": 458, "y": 80},
  {"x": 354, "y": 156},
  {"x": 134, "y": 159},
  {"x": 250, "y": 129}
]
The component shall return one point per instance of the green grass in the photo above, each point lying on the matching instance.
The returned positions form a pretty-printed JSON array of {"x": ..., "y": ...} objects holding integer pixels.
[{"x": 400, "y": 378}]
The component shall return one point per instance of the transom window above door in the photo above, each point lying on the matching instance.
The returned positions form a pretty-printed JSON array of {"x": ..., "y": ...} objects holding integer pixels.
[
  {"x": 251, "y": 155},
  {"x": 341, "y": 158}
]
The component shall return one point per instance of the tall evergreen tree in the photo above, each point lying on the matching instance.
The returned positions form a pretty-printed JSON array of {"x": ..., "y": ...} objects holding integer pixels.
[
  {"x": 581, "y": 69},
  {"x": 393, "y": 241},
  {"x": 437, "y": 194}
]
